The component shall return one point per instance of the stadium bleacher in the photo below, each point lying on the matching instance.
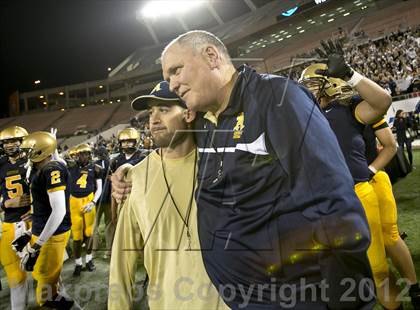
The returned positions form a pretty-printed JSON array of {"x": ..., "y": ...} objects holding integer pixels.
[
  {"x": 138, "y": 73},
  {"x": 97, "y": 111}
]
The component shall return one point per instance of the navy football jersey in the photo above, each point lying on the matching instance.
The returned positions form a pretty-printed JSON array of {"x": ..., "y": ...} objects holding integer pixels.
[
  {"x": 54, "y": 176},
  {"x": 370, "y": 139},
  {"x": 121, "y": 160},
  {"x": 83, "y": 179},
  {"x": 349, "y": 133},
  {"x": 13, "y": 184}
]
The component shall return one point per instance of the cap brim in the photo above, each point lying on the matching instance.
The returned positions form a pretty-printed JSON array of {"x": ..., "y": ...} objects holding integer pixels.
[{"x": 142, "y": 102}]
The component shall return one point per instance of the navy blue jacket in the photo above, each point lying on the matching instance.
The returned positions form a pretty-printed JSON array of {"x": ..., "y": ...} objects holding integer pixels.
[{"x": 275, "y": 198}]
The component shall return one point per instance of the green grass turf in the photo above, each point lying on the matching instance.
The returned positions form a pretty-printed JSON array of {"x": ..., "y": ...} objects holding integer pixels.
[{"x": 407, "y": 194}]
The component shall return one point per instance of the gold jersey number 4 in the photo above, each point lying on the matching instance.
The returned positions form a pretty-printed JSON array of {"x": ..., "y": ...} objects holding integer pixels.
[
  {"x": 82, "y": 181},
  {"x": 14, "y": 189}
]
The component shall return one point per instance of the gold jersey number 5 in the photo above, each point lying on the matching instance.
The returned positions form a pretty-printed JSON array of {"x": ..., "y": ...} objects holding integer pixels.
[{"x": 14, "y": 189}]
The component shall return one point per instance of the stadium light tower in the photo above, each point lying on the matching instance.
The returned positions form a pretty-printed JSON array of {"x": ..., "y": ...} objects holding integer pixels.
[
  {"x": 161, "y": 9},
  {"x": 164, "y": 8}
]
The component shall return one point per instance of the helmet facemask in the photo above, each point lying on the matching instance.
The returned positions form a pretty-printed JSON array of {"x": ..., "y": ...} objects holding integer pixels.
[
  {"x": 128, "y": 146},
  {"x": 11, "y": 147},
  {"x": 83, "y": 158}
]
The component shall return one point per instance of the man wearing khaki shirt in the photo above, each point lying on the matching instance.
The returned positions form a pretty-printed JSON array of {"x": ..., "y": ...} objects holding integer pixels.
[{"x": 159, "y": 217}]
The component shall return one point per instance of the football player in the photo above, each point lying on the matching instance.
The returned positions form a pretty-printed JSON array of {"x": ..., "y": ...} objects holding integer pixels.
[
  {"x": 15, "y": 203},
  {"x": 128, "y": 140},
  {"x": 50, "y": 220},
  {"x": 86, "y": 189},
  {"x": 348, "y": 115},
  {"x": 395, "y": 246},
  {"x": 104, "y": 207}
]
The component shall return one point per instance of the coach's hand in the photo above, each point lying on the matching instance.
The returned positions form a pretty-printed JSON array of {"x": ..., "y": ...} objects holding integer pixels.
[
  {"x": 18, "y": 202},
  {"x": 333, "y": 54},
  {"x": 120, "y": 186}
]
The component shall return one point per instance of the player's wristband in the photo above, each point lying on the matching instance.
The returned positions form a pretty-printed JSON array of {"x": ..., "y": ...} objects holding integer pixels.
[
  {"x": 373, "y": 169},
  {"x": 37, "y": 246},
  {"x": 355, "y": 79}
]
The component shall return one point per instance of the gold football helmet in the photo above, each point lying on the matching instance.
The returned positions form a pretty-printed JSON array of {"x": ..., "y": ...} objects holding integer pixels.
[
  {"x": 339, "y": 89},
  {"x": 331, "y": 87},
  {"x": 72, "y": 152},
  {"x": 14, "y": 132},
  {"x": 39, "y": 145},
  {"x": 84, "y": 147},
  {"x": 129, "y": 134},
  {"x": 309, "y": 74},
  {"x": 83, "y": 154},
  {"x": 11, "y": 138}
]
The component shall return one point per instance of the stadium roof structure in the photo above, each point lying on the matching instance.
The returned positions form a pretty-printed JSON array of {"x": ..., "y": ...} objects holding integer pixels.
[{"x": 230, "y": 20}]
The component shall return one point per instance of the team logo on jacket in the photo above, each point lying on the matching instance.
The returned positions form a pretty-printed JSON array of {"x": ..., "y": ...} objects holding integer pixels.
[{"x": 239, "y": 127}]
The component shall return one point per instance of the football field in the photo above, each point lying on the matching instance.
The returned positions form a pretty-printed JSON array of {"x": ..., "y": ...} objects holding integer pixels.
[{"x": 91, "y": 289}]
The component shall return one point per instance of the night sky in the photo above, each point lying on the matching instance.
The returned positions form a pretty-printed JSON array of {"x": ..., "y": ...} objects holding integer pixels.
[{"x": 64, "y": 42}]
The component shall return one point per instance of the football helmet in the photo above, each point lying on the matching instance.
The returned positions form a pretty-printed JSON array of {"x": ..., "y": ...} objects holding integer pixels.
[
  {"x": 333, "y": 88},
  {"x": 339, "y": 89},
  {"x": 39, "y": 145},
  {"x": 83, "y": 148},
  {"x": 312, "y": 79},
  {"x": 72, "y": 152},
  {"x": 83, "y": 153},
  {"x": 131, "y": 135},
  {"x": 11, "y": 134}
]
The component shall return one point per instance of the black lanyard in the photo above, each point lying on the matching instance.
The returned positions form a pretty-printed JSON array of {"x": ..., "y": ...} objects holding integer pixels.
[{"x": 187, "y": 217}]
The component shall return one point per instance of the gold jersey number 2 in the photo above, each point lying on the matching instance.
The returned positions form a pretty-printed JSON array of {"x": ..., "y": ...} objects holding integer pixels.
[
  {"x": 82, "y": 181},
  {"x": 55, "y": 177},
  {"x": 14, "y": 189}
]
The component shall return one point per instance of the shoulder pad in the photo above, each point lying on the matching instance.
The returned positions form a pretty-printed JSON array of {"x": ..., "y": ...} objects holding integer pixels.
[{"x": 53, "y": 165}]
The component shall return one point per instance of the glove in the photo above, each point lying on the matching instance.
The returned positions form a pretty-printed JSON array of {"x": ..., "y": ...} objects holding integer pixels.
[
  {"x": 20, "y": 242},
  {"x": 53, "y": 131},
  {"x": 28, "y": 167},
  {"x": 337, "y": 66},
  {"x": 88, "y": 207},
  {"x": 29, "y": 258}
]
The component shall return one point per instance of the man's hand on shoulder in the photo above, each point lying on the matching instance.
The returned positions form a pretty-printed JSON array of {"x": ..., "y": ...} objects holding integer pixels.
[{"x": 18, "y": 202}]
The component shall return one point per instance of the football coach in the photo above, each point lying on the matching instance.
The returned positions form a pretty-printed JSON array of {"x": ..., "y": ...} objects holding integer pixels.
[
  {"x": 279, "y": 223},
  {"x": 277, "y": 212}
]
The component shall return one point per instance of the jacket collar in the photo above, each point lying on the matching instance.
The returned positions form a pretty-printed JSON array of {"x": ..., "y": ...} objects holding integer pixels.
[{"x": 235, "y": 104}]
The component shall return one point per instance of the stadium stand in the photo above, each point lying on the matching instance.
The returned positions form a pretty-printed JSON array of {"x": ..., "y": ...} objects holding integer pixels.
[
  {"x": 4, "y": 122},
  {"x": 72, "y": 141},
  {"x": 283, "y": 44},
  {"x": 89, "y": 118},
  {"x": 122, "y": 114},
  {"x": 33, "y": 122}
]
